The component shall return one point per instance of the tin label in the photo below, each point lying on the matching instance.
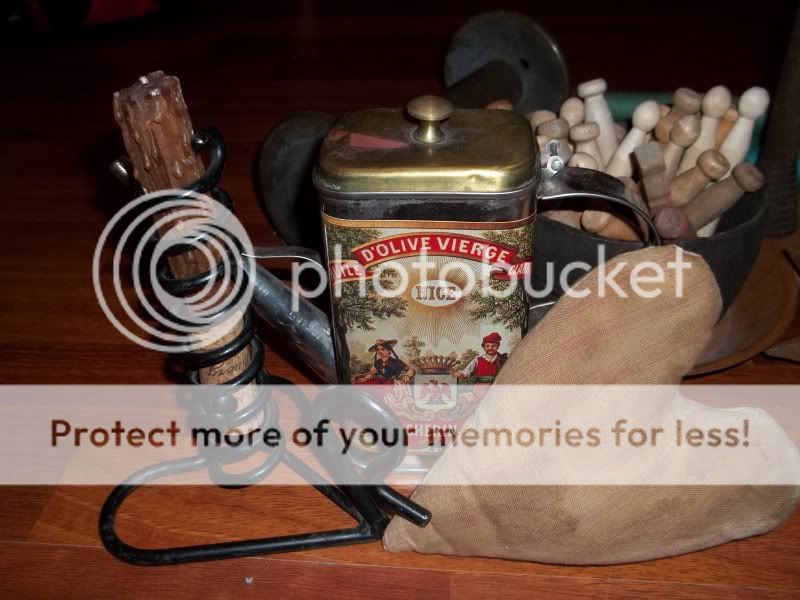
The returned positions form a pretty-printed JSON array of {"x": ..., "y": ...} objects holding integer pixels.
[{"x": 429, "y": 310}]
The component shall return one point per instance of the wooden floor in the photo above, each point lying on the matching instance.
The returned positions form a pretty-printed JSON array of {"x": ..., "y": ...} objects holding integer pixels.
[{"x": 242, "y": 71}]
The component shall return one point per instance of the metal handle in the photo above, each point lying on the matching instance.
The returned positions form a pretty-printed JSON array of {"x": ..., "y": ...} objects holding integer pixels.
[
  {"x": 291, "y": 252},
  {"x": 574, "y": 182}
]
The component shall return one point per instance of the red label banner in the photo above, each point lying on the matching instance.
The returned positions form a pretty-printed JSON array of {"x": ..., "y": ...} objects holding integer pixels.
[
  {"x": 434, "y": 244},
  {"x": 505, "y": 260},
  {"x": 347, "y": 270}
]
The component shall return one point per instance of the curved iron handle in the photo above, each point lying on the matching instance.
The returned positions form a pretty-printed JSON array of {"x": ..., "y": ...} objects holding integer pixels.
[
  {"x": 575, "y": 182},
  {"x": 292, "y": 252}
]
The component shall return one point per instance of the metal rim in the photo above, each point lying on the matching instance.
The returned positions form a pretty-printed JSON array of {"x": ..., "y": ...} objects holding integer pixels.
[{"x": 532, "y": 32}]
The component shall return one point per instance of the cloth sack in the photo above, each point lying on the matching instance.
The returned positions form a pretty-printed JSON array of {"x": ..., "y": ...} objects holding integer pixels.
[{"x": 602, "y": 340}]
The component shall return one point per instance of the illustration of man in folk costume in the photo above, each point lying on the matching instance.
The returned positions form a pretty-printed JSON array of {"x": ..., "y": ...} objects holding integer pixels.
[
  {"x": 484, "y": 368},
  {"x": 387, "y": 366}
]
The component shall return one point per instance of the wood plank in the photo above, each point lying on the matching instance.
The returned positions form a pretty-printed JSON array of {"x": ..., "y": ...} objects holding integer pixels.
[
  {"x": 505, "y": 587},
  {"x": 153, "y": 517},
  {"x": 53, "y": 571},
  {"x": 20, "y": 508}
]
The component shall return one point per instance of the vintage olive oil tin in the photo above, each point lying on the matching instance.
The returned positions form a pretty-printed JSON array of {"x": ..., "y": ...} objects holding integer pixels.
[{"x": 428, "y": 220}]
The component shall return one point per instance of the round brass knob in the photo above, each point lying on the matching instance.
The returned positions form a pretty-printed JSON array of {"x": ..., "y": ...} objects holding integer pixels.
[{"x": 430, "y": 111}]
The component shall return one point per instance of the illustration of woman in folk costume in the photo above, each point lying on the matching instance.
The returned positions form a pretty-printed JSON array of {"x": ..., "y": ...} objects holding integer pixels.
[{"x": 387, "y": 366}]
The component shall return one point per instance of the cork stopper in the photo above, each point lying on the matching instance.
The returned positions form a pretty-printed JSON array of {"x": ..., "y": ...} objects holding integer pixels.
[
  {"x": 753, "y": 103},
  {"x": 748, "y": 177},
  {"x": 592, "y": 88},
  {"x": 716, "y": 102},
  {"x": 572, "y": 111},
  {"x": 583, "y": 161},
  {"x": 538, "y": 117},
  {"x": 585, "y": 132},
  {"x": 713, "y": 164},
  {"x": 555, "y": 129},
  {"x": 595, "y": 221},
  {"x": 687, "y": 100},
  {"x": 646, "y": 115},
  {"x": 685, "y": 131}
]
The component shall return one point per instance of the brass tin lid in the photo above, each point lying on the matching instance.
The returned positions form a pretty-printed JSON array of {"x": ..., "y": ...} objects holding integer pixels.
[{"x": 429, "y": 148}]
